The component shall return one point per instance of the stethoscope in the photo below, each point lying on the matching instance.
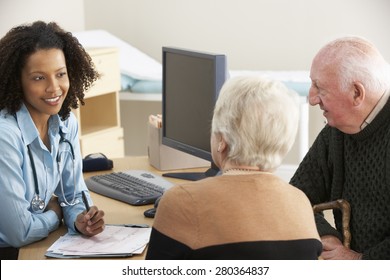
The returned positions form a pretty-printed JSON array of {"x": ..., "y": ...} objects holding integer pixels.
[{"x": 37, "y": 203}]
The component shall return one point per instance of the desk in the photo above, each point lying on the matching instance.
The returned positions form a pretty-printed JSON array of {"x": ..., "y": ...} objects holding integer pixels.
[{"x": 116, "y": 212}]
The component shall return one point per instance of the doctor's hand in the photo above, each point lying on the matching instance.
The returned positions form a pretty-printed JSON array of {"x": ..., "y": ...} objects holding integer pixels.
[
  {"x": 333, "y": 249},
  {"x": 90, "y": 223}
]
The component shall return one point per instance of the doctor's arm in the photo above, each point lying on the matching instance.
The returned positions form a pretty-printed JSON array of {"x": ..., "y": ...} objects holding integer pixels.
[{"x": 19, "y": 226}]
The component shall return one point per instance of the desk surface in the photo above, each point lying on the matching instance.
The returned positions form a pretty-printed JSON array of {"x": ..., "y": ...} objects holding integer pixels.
[{"x": 116, "y": 212}]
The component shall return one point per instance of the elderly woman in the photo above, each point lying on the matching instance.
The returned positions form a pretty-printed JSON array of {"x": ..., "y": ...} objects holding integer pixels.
[{"x": 247, "y": 212}]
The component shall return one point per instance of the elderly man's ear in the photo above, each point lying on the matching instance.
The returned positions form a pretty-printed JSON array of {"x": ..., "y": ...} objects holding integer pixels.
[{"x": 359, "y": 93}]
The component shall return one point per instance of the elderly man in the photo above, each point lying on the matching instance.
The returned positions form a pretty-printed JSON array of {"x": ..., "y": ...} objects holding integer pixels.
[{"x": 350, "y": 159}]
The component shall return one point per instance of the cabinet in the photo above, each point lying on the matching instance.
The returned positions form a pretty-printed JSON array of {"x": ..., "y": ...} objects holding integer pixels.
[{"x": 99, "y": 119}]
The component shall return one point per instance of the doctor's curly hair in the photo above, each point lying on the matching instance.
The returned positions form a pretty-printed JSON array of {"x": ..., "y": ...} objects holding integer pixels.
[{"x": 24, "y": 40}]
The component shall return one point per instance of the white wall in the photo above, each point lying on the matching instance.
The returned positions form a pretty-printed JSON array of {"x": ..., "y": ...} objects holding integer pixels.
[
  {"x": 255, "y": 34},
  {"x": 68, "y": 14}
]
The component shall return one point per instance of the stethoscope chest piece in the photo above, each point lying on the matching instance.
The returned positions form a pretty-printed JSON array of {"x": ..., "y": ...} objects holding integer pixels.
[{"x": 37, "y": 203}]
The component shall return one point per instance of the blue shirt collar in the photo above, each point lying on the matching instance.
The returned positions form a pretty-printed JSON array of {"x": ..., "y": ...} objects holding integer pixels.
[{"x": 29, "y": 131}]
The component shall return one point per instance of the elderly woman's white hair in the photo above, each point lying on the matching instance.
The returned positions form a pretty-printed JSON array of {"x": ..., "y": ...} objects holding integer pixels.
[{"x": 258, "y": 118}]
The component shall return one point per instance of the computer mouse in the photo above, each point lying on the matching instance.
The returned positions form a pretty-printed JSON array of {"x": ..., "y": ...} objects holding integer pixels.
[{"x": 150, "y": 213}]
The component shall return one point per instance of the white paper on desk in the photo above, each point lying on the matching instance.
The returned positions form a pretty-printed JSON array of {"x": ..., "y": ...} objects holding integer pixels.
[{"x": 113, "y": 240}]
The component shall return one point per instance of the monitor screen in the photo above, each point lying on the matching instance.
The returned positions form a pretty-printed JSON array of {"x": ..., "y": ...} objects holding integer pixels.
[{"x": 191, "y": 84}]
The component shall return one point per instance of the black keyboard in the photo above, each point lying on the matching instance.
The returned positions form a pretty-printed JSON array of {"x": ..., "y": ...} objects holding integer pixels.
[{"x": 135, "y": 187}]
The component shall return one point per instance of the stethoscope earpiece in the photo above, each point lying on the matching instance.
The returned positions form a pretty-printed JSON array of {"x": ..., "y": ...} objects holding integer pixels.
[{"x": 64, "y": 204}]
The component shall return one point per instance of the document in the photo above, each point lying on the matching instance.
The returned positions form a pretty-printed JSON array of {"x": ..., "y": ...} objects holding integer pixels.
[{"x": 114, "y": 241}]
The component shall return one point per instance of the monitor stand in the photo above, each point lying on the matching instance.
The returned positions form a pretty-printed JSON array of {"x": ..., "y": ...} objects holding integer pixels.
[{"x": 194, "y": 176}]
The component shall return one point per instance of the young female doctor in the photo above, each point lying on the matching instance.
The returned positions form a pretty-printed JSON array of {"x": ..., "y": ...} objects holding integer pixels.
[{"x": 44, "y": 73}]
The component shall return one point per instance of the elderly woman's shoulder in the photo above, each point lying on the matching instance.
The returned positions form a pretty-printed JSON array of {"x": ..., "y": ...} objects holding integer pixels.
[{"x": 291, "y": 194}]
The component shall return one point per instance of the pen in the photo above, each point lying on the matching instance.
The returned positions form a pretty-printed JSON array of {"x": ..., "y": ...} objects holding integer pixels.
[
  {"x": 130, "y": 225},
  {"x": 85, "y": 200}
]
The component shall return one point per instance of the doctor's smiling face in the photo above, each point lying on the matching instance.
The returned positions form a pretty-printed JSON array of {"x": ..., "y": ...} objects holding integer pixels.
[{"x": 45, "y": 82}]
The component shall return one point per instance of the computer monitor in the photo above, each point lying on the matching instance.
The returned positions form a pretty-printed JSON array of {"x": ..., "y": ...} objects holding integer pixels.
[{"x": 191, "y": 84}]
